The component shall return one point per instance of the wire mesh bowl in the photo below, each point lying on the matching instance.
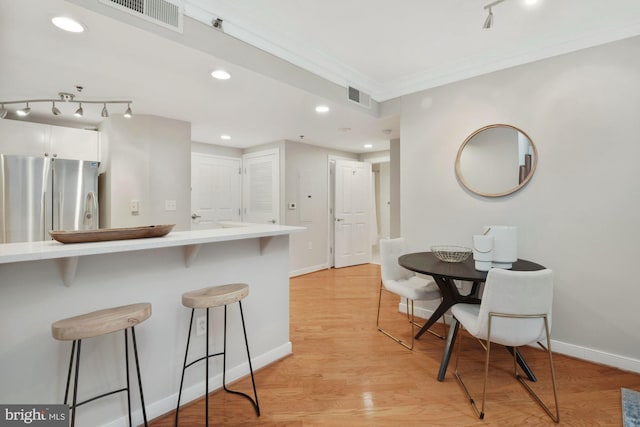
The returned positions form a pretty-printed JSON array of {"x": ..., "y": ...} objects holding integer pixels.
[{"x": 449, "y": 253}]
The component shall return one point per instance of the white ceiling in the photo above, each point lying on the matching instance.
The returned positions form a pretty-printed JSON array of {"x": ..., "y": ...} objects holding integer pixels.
[
  {"x": 392, "y": 48},
  {"x": 384, "y": 48}
]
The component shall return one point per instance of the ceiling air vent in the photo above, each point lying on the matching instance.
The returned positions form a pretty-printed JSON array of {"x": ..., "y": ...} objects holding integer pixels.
[
  {"x": 358, "y": 97},
  {"x": 165, "y": 13}
]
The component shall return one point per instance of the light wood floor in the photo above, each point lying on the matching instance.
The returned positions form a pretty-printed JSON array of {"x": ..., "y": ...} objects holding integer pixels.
[{"x": 345, "y": 373}]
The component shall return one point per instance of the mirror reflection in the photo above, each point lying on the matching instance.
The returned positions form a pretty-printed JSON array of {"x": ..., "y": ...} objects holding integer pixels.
[{"x": 496, "y": 160}]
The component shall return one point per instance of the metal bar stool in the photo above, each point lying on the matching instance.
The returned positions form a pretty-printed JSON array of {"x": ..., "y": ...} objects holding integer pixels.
[
  {"x": 207, "y": 298},
  {"x": 94, "y": 324}
]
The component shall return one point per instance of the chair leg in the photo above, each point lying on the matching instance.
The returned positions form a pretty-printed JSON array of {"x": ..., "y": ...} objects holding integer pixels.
[
  {"x": 254, "y": 401},
  {"x": 435, "y": 334},
  {"x": 75, "y": 380},
  {"x": 396, "y": 339},
  {"x": 135, "y": 354},
  {"x": 184, "y": 366},
  {"x": 521, "y": 379},
  {"x": 411, "y": 319},
  {"x": 556, "y": 417},
  {"x": 206, "y": 369},
  {"x": 66, "y": 391},
  {"x": 479, "y": 413},
  {"x": 126, "y": 363}
]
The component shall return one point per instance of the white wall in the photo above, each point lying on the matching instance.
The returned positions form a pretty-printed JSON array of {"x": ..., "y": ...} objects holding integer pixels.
[
  {"x": 306, "y": 174},
  {"x": 579, "y": 213},
  {"x": 215, "y": 150},
  {"x": 147, "y": 158}
]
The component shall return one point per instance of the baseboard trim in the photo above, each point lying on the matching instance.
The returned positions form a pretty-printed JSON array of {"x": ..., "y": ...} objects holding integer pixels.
[
  {"x": 596, "y": 356},
  {"x": 196, "y": 391},
  {"x": 308, "y": 270},
  {"x": 560, "y": 347}
]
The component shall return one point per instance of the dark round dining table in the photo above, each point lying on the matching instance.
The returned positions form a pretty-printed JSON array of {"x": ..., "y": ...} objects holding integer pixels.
[{"x": 444, "y": 273}]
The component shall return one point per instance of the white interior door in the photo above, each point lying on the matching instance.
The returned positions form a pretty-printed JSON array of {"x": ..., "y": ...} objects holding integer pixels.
[
  {"x": 352, "y": 213},
  {"x": 215, "y": 190},
  {"x": 261, "y": 187}
]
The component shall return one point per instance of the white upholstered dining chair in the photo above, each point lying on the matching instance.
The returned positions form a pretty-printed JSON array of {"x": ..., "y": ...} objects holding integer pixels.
[
  {"x": 515, "y": 311},
  {"x": 400, "y": 281}
]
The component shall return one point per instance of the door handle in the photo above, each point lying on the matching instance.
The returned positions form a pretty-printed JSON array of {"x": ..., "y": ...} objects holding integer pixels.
[
  {"x": 194, "y": 216},
  {"x": 339, "y": 219},
  {"x": 273, "y": 221}
]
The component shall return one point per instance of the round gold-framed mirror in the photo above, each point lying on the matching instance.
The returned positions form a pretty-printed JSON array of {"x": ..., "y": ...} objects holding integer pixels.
[{"x": 496, "y": 160}]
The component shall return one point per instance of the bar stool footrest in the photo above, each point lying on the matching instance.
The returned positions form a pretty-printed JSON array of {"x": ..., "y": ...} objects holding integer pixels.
[{"x": 98, "y": 397}]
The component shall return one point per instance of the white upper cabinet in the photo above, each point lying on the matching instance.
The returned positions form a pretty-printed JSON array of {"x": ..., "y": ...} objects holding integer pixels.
[
  {"x": 35, "y": 139},
  {"x": 72, "y": 143},
  {"x": 23, "y": 138}
]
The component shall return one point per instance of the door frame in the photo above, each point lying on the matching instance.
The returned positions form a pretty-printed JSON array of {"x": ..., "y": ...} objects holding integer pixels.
[{"x": 331, "y": 186}]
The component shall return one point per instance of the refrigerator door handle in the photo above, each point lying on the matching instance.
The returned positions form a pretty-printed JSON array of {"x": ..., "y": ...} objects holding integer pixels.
[
  {"x": 90, "y": 210},
  {"x": 44, "y": 216},
  {"x": 60, "y": 210}
]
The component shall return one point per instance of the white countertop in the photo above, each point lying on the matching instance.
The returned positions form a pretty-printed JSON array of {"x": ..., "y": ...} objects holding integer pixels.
[{"x": 51, "y": 249}]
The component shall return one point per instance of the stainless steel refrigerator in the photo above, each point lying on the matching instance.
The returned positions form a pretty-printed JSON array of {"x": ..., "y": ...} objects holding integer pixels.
[{"x": 38, "y": 194}]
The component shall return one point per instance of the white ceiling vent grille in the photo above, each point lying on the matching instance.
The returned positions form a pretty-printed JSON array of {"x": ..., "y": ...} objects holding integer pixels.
[
  {"x": 162, "y": 12},
  {"x": 358, "y": 97}
]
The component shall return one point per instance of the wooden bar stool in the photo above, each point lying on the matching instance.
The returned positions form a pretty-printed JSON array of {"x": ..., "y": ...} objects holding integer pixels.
[
  {"x": 207, "y": 298},
  {"x": 98, "y": 323}
]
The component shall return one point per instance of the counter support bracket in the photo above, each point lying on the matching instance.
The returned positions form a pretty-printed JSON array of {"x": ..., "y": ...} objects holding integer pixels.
[
  {"x": 190, "y": 254},
  {"x": 68, "y": 267},
  {"x": 264, "y": 243}
]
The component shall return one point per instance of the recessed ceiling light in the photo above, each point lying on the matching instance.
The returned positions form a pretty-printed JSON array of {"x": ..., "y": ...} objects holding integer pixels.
[
  {"x": 368, "y": 145},
  {"x": 225, "y": 137},
  {"x": 220, "y": 75},
  {"x": 67, "y": 24},
  {"x": 322, "y": 109}
]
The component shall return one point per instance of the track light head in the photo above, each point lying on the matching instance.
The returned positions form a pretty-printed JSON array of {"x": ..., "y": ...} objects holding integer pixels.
[
  {"x": 3, "y": 112},
  {"x": 128, "y": 113},
  {"x": 105, "y": 112},
  {"x": 488, "y": 23},
  {"x": 79, "y": 112},
  {"x": 24, "y": 112},
  {"x": 55, "y": 110}
]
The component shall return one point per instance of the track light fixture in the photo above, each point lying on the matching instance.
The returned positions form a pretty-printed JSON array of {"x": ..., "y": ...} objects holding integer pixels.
[
  {"x": 488, "y": 23},
  {"x": 64, "y": 97},
  {"x": 23, "y": 112},
  {"x": 79, "y": 112}
]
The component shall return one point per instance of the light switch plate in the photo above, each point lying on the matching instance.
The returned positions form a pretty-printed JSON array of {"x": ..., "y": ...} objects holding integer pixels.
[{"x": 169, "y": 205}]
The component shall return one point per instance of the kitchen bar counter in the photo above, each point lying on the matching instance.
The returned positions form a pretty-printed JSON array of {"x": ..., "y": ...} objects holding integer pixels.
[
  {"x": 33, "y": 366},
  {"x": 191, "y": 241},
  {"x": 50, "y": 249}
]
